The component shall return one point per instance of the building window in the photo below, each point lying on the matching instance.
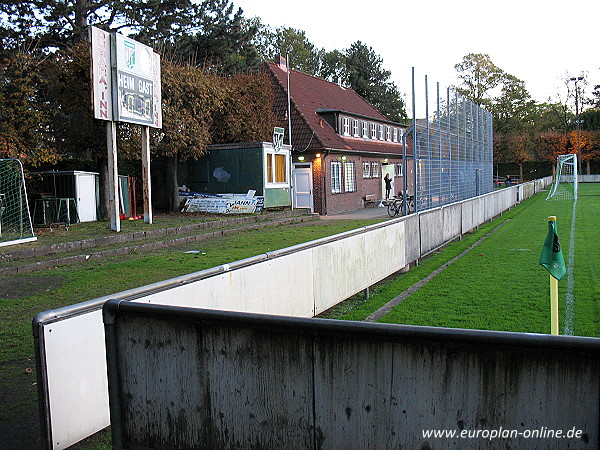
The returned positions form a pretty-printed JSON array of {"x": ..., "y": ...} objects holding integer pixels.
[
  {"x": 381, "y": 137},
  {"x": 398, "y": 169},
  {"x": 365, "y": 129},
  {"x": 356, "y": 128},
  {"x": 395, "y": 138},
  {"x": 373, "y": 131},
  {"x": 276, "y": 164},
  {"x": 346, "y": 126},
  {"x": 280, "y": 172},
  {"x": 336, "y": 177},
  {"x": 388, "y": 134},
  {"x": 269, "y": 167},
  {"x": 349, "y": 177},
  {"x": 366, "y": 170},
  {"x": 375, "y": 170}
]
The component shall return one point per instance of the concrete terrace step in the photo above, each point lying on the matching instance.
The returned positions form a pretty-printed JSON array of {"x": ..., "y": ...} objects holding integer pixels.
[
  {"x": 173, "y": 236},
  {"x": 119, "y": 238}
]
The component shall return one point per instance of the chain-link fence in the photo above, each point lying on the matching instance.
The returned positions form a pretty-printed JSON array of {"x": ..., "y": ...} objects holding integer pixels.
[{"x": 452, "y": 150}]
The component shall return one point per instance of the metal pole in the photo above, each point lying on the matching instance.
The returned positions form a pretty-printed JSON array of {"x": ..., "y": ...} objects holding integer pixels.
[
  {"x": 449, "y": 144},
  {"x": 457, "y": 157},
  {"x": 428, "y": 144},
  {"x": 146, "y": 180},
  {"x": 577, "y": 118},
  {"x": 439, "y": 119},
  {"x": 415, "y": 137},
  {"x": 289, "y": 114},
  {"x": 289, "y": 103},
  {"x": 114, "y": 386},
  {"x": 113, "y": 176}
]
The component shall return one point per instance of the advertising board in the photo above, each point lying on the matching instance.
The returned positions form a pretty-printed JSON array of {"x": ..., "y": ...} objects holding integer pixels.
[
  {"x": 126, "y": 83},
  {"x": 137, "y": 83},
  {"x": 101, "y": 74}
]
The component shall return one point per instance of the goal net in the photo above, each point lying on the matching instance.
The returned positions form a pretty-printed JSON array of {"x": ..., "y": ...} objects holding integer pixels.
[
  {"x": 565, "y": 181},
  {"x": 15, "y": 220}
]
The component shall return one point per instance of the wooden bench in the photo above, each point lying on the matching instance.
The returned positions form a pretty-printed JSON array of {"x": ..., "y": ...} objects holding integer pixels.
[{"x": 370, "y": 199}]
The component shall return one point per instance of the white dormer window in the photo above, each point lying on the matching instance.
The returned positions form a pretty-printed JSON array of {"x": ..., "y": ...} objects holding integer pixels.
[
  {"x": 388, "y": 134},
  {"x": 346, "y": 126},
  {"x": 395, "y": 135},
  {"x": 365, "y": 129},
  {"x": 381, "y": 138},
  {"x": 373, "y": 131},
  {"x": 356, "y": 128}
]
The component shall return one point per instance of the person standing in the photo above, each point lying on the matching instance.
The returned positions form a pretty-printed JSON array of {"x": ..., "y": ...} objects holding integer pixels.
[{"x": 388, "y": 185}]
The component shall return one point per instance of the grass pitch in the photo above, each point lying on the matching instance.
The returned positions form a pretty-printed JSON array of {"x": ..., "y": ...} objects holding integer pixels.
[{"x": 499, "y": 285}]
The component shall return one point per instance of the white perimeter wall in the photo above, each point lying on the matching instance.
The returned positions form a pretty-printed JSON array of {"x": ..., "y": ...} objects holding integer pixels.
[{"x": 300, "y": 281}]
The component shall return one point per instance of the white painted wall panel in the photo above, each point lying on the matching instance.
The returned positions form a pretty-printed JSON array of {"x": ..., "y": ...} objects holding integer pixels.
[
  {"x": 432, "y": 229},
  {"x": 76, "y": 377},
  {"x": 452, "y": 222},
  {"x": 412, "y": 238},
  {"x": 345, "y": 267},
  {"x": 279, "y": 286},
  {"x": 467, "y": 216}
]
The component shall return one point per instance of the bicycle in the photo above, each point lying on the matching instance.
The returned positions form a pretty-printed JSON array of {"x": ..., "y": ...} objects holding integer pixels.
[{"x": 396, "y": 206}]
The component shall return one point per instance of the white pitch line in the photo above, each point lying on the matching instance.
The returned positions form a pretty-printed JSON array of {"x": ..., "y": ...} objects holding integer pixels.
[{"x": 569, "y": 296}]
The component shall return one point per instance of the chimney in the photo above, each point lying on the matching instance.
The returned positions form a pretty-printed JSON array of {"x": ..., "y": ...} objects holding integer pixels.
[{"x": 282, "y": 63}]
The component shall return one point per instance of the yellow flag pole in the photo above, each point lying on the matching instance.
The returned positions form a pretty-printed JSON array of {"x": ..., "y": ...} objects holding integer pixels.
[
  {"x": 554, "y": 305},
  {"x": 553, "y": 297}
]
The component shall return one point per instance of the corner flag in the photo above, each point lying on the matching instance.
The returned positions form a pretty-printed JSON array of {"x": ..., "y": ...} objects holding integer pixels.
[{"x": 552, "y": 257}]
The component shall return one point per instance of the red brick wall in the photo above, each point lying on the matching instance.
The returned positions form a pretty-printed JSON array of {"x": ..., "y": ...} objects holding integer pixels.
[{"x": 351, "y": 201}]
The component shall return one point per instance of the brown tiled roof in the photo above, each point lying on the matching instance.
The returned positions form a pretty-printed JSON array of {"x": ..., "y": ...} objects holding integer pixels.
[{"x": 309, "y": 128}]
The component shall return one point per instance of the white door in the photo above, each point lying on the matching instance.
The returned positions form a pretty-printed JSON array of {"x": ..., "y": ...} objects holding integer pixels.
[
  {"x": 85, "y": 191},
  {"x": 302, "y": 185},
  {"x": 389, "y": 169}
]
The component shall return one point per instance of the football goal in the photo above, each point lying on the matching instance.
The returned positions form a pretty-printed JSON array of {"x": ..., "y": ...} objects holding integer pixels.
[
  {"x": 15, "y": 220},
  {"x": 565, "y": 180}
]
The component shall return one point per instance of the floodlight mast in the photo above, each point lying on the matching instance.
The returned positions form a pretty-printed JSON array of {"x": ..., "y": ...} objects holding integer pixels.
[{"x": 577, "y": 121}]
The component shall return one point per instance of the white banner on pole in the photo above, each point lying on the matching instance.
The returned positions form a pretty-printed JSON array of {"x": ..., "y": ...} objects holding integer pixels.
[
  {"x": 101, "y": 74},
  {"x": 157, "y": 116}
]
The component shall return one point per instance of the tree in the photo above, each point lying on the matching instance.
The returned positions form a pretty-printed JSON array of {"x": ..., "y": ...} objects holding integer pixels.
[
  {"x": 590, "y": 119},
  {"x": 247, "y": 113},
  {"x": 550, "y": 144},
  {"x": 333, "y": 67},
  {"x": 290, "y": 42},
  {"x": 550, "y": 117},
  {"x": 365, "y": 74},
  {"x": 513, "y": 147},
  {"x": 589, "y": 147},
  {"x": 223, "y": 42},
  {"x": 513, "y": 109},
  {"x": 478, "y": 76},
  {"x": 63, "y": 23},
  {"x": 24, "y": 120},
  {"x": 201, "y": 108}
]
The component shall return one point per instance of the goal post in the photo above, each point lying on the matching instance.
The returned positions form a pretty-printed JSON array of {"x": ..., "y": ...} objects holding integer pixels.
[
  {"x": 15, "y": 219},
  {"x": 565, "y": 181}
]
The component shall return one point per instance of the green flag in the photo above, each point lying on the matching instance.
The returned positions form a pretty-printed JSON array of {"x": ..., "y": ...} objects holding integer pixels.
[{"x": 552, "y": 257}]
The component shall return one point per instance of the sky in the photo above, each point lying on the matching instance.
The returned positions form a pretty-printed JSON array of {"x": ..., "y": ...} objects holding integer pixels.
[{"x": 539, "y": 42}]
